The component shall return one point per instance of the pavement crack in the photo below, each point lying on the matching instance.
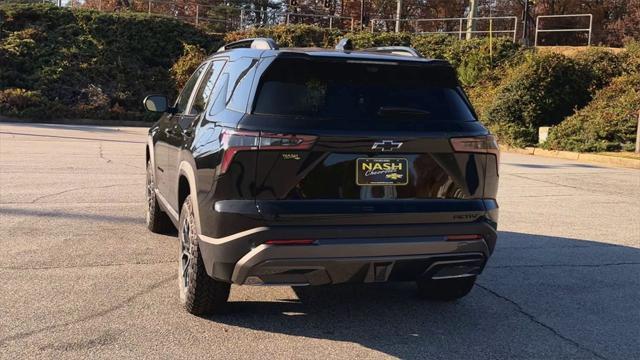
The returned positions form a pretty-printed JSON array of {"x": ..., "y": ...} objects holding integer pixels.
[
  {"x": 55, "y": 194},
  {"x": 101, "y": 154},
  {"x": 535, "y": 320},
  {"x": 563, "y": 265},
  {"x": 109, "y": 161},
  {"x": 546, "y": 182},
  {"x": 589, "y": 190},
  {"x": 91, "y": 316},
  {"x": 75, "y": 189}
]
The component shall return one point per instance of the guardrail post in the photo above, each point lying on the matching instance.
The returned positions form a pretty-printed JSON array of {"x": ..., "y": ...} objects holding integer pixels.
[
  {"x": 149, "y": 7},
  {"x": 241, "y": 19},
  {"x": 287, "y": 19},
  {"x": 491, "y": 41},
  {"x": 590, "y": 28},
  {"x": 535, "y": 38},
  {"x": 197, "y": 13},
  {"x": 398, "y": 15},
  {"x": 330, "y": 22}
]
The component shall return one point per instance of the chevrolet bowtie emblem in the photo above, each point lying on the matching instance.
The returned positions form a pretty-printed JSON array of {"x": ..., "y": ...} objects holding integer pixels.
[{"x": 386, "y": 145}]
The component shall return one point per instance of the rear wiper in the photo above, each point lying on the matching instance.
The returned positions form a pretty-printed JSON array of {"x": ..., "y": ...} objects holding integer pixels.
[{"x": 398, "y": 110}]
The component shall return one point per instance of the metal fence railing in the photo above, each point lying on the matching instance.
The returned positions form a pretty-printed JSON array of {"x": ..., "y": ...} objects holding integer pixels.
[
  {"x": 224, "y": 17},
  {"x": 588, "y": 30},
  {"x": 491, "y": 25}
]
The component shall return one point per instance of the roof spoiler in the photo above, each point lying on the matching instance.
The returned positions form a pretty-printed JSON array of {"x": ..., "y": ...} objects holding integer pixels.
[
  {"x": 252, "y": 43},
  {"x": 397, "y": 50}
]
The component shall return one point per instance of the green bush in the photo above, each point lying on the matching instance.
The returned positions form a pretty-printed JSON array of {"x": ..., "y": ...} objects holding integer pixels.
[
  {"x": 14, "y": 100},
  {"x": 631, "y": 57},
  {"x": 608, "y": 123},
  {"x": 187, "y": 64},
  {"x": 86, "y": 63},
  {"x": 540, "y": 92},
  {"x": 601, "y": 65}
]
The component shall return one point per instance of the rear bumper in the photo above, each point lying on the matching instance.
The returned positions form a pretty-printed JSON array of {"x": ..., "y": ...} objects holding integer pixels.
[
  {"x": 335, "y": 263},
  {"x": 358, "y": 253}
]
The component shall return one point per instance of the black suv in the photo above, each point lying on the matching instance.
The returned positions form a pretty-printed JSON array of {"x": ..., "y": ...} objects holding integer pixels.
[{"x": 302, "y": 166}]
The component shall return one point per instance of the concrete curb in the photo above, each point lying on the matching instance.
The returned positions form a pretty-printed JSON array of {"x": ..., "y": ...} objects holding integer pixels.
[
  {"x": 575, "y": 156},
  {"x": 93, "y": 122}
]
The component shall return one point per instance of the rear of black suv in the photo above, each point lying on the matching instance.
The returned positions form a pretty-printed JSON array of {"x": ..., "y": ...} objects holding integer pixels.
[{"x": 350, "y": 167}]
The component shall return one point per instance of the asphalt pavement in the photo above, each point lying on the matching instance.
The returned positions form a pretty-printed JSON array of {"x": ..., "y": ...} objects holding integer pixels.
[{"x": 80, "y": 276}]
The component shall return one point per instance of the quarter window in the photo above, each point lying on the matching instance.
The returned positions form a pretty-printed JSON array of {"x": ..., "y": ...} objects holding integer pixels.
[
  {"x": 206, "y": 87},
  {"x": 241, "y": 74},
  {"x": 185, "y": 95}
]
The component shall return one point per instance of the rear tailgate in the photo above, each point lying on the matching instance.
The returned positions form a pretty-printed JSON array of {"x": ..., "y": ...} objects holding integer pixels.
[{"x": 346, "y": 142}]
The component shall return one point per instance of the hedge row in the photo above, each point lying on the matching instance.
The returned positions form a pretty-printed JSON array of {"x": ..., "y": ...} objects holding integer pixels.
[
  {"x": 84, "y": 63},
  {"x": 542, "y": 91},
  {"x": 608, "y": 123}
]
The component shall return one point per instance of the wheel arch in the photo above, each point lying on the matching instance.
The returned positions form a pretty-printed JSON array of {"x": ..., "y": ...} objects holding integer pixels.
[
  {"x": 186, "y": 187},
  {"x": 149, "y": 152}
]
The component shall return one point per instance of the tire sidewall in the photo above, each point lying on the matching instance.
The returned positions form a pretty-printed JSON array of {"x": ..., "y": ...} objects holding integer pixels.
[
  {"x": 150, "y": 196},
  {"x": 186, "y": 214}
]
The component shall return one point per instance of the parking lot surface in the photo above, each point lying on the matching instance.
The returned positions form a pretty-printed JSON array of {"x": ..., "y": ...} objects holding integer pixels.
[{"x": 80, "y": 276}]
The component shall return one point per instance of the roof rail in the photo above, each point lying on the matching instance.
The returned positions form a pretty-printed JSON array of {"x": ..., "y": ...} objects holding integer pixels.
[
  {"x": 252, "y": 43},
  {"x": 397, "y": 50}
]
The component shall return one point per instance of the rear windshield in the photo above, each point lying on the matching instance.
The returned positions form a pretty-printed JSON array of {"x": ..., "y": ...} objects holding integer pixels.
[{"x": 361, "y": 91}]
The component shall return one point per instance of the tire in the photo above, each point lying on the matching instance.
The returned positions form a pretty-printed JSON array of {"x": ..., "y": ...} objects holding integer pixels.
[
  {"x": 200, "y": 293},
  {"x": 157, "y": 220},
  {"x": 446, "y": 289}
]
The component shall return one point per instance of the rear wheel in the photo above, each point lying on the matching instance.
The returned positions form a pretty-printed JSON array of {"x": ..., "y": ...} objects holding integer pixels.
[
  {"x": 199, "y": 293},
  {"x": 157, "y": 220},
  {"x": 445, "y": 289}
]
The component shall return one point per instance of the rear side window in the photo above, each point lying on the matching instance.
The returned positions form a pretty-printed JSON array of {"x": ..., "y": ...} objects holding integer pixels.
[{"x": 360, "y": 91}]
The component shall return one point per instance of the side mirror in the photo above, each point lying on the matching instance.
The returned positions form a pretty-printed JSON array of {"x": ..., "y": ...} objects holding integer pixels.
[{"x": 156, "y": 103}]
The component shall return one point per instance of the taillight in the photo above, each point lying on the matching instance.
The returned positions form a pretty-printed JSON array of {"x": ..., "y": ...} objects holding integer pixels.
[
  {"x": 269, "y": 141},
  {"x": 478, "y": 144},
  {"x": 234, "y": 141}
]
